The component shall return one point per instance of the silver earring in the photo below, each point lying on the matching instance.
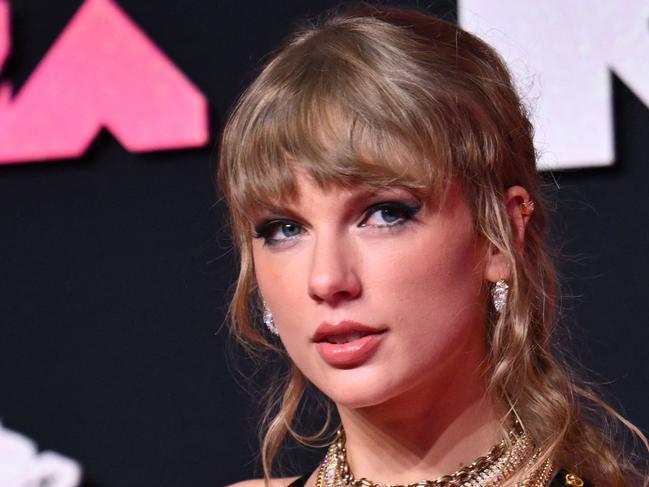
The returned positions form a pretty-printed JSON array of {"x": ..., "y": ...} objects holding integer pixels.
[
  {"x": 499, "y": 294},
  {"x": 268, "y": 320}
]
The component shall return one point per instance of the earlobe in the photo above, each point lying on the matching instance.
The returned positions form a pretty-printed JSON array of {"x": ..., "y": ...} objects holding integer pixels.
[
  {"x": 519, "y": 208},
  {"x": 497, "y": 267}
]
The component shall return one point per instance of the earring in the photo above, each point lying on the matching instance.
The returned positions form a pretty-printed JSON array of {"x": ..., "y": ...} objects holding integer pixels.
[
  {"x": 499, "y": 294},
  {"x": 527, "y": 207},
  {"x": 268, "y": 320}
]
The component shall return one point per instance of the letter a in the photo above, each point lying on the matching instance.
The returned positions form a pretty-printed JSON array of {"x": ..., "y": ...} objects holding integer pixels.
[{"x": 102, "y": 72}]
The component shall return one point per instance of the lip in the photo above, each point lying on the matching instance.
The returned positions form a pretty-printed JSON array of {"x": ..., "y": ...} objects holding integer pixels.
[
  {"x": 344, "y": 327},
  {"x": 352, "y": 353}
]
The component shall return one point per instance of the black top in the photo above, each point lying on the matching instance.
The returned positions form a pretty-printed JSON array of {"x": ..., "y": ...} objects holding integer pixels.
[{"x": 558, "y": 481}]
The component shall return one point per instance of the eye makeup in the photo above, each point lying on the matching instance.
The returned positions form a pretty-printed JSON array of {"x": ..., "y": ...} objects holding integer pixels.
[{"x": 369, "y": 209}]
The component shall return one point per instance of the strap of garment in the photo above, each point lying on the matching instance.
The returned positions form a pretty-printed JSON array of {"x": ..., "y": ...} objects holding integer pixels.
[{"x": 301, "y": 482}]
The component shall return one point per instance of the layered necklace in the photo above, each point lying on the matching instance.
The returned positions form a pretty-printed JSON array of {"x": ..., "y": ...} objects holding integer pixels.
[{"x": 491, "y": 470}]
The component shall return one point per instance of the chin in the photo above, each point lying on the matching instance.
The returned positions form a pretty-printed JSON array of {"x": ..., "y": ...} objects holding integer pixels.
[
  {"x": 357, "y": 400},
  {"x": 355, "y": 388}
]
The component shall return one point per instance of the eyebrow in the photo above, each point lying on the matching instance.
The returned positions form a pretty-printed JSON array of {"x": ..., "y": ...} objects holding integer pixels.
[
  {"x": 272, "y": 211},
  {"x": 357, "y": 196}
]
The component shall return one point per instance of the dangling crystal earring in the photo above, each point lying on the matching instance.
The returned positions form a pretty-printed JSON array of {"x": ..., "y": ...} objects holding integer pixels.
[
  {"x": 499, "y": 294},
  {"x": 268, "y": 320}
]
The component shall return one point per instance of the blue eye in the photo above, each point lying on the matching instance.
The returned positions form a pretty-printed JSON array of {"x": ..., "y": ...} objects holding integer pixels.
[
  {"x": 276, "y": 231},
  {"x": 386, "y": 215},
  {"x": 389, "y": 214}
]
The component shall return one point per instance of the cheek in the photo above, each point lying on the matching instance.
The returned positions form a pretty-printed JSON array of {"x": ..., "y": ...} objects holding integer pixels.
[
  {"x": 270, "y": 272},
  {"x": 281, "y": 281},
  {"x": 436, "y": 287}
]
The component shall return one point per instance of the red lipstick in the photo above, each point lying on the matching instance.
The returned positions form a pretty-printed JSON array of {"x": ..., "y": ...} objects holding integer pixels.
[{"x": 347, "y": 344}]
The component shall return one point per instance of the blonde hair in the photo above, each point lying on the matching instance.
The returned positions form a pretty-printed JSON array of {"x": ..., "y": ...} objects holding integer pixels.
[{"x": 382, "y": 96}]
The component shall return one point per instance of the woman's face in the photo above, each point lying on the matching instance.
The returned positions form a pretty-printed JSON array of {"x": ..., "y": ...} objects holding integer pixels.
[{"x": 374, "y": 292}]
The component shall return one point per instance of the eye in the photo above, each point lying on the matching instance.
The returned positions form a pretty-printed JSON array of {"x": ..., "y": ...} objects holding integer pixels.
[
  {"x": 277, "y": 231},
  {"x": 389, "y": 214}
]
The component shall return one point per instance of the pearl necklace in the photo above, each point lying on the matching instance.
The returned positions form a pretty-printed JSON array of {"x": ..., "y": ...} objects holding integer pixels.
[{"x": 491, "y": 470}]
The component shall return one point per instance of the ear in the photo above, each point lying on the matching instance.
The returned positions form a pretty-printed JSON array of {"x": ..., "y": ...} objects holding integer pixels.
[{"x": 519, "y": 211}]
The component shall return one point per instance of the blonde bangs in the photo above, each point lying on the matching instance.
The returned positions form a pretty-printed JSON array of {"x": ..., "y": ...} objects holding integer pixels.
[{"x": 315, "y": 118}]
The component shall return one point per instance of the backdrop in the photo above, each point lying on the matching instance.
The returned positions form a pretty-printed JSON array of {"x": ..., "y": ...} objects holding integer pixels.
[{"x": 115, "y": 266}]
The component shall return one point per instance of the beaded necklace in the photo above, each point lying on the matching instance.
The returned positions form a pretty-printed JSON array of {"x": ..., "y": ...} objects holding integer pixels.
[{"x": 491, "y": 470}]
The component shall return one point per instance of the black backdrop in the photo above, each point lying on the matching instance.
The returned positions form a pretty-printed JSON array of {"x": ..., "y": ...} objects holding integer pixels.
[{"x": 114, "y": 268}]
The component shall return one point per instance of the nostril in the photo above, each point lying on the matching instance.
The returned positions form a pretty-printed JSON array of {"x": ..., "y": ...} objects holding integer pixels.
[
  {"x": 333, "y": 298},
  {"x": 332, "y": 276}
]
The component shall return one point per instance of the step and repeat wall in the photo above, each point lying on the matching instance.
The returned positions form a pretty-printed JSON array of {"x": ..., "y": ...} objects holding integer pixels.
[{"x": 116, "y": 264}]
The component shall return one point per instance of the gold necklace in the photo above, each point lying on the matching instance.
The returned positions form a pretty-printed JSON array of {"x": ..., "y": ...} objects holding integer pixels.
[{"x": 491, "y": 470}]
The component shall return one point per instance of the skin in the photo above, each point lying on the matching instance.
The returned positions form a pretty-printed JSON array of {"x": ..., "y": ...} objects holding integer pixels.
[{"x": 417, "y": 408}]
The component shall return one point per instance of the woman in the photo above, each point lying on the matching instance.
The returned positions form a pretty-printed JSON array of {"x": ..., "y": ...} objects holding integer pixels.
[{"x": 381, "y": 178}]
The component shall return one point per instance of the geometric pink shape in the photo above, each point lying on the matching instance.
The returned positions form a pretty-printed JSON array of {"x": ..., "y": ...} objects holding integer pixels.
[
  {"x": 4, "y": 32},
  {"x": 101, "y": 72}
]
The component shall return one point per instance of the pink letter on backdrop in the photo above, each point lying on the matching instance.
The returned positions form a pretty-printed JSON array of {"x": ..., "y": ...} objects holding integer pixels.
[
  {"x": 4, "y": 31},
  {"x": 102, "y": 71}
]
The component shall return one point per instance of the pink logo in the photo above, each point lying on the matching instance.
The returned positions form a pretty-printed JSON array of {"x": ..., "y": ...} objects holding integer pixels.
[{"x": 102, "y": 72}]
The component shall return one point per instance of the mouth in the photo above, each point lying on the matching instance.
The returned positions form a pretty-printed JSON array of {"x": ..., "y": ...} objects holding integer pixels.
[
  {"x": 344, "y": 338},
  {"x": 347, "y": 344},
  {"x": 343, "y": 332}
]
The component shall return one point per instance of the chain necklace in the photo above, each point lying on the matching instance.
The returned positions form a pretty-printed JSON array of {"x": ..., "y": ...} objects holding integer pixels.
[{"x": 491, "y": 470}]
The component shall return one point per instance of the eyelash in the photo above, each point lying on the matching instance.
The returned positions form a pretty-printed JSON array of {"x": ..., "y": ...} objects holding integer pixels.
[{"x": 405, "y": 211}]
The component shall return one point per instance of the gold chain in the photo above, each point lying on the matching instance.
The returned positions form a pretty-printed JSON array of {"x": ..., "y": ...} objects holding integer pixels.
[{"x": 490, "y": 470}]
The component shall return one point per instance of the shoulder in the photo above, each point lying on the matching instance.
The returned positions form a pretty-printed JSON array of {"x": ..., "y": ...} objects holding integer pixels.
[{"x": 260, "y": 482}]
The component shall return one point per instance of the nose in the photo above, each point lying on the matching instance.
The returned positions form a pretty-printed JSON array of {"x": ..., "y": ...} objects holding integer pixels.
[{"x": 333, "y": 275}]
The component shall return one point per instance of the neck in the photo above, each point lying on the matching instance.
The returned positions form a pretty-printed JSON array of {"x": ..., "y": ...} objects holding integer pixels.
[{"x": 430, "y": 431}]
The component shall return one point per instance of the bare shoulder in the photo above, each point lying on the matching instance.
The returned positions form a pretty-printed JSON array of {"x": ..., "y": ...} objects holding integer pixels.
[{"x": 260, "y": 482}]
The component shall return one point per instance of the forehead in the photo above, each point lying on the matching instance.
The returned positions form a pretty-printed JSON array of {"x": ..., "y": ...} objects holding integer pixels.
[
  {"x": 287, "y": 182},
  {"x": 309, "y": 195},
  {"x": 308, "y": 191},
  {"x": 333, "y": 141}
]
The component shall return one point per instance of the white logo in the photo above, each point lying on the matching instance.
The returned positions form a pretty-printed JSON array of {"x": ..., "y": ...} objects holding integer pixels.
[
  {"x": 22, "y": 466},
  {"x": 561, "y": 55}
]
